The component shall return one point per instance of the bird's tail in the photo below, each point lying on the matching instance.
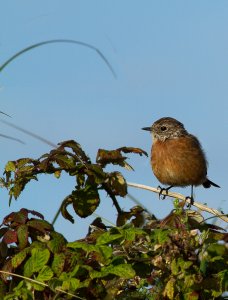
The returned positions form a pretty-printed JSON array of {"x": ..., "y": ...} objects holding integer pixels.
[{"x": 209, "y": 183}]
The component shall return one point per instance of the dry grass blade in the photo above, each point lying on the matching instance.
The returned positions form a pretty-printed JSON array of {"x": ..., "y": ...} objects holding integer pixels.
[
  {"x": 40, "y": 283},
  {"x": 66, "y": 41}
]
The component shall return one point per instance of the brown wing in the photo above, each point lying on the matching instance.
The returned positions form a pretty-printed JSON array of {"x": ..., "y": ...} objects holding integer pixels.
[{"x": 179, "y": 162}]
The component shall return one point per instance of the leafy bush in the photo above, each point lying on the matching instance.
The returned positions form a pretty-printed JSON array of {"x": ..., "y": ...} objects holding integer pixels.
[{"x": 179, "y": 257}]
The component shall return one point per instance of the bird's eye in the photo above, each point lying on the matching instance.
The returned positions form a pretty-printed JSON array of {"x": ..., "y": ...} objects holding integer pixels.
[{"x": 163, "y": 128}]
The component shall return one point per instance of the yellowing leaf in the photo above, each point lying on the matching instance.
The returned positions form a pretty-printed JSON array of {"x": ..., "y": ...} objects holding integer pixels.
[{"x": 169, "y": 289}]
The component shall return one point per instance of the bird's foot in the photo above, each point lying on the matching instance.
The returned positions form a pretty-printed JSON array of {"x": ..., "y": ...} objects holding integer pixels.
[
  {"x": 191, "y": 199},
  {"x": 163, "y": 190}
]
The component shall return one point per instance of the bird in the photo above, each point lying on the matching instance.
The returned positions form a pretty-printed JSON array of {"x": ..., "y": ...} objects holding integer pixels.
[{"x": 177, "y": 157}]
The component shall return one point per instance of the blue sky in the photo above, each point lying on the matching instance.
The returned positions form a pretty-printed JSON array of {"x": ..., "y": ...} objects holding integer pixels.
[{"x": 171, "y": 59}]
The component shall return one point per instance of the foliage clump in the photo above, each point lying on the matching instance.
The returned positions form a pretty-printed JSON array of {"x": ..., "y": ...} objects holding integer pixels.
[{"x": 179, "y": 257}]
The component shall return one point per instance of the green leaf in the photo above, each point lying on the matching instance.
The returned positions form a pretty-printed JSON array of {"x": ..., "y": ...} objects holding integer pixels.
[
  {"x": 57, "y": 174},
  {"x": 161, "y": 235},
  {"x": 184, "y": 264},
  {"x": 106, "y": 251},
  {"x": 174, "y": 267},
  {"x": 21, "y": 291},
  {"x": 40, "y": 225},
  {"x": 223, "y": 278},
  {"x": 3, "y": 289},
  {"x": 85, "y": 201},
  {"x": 169, "y": 289},
  {"x": 203, "y": 265},
  {"x": 55, "y": 283},
  {"x": 77, "y": 149},
  {"x": 64, "y": 162},
  {"x": 117, "y": 184},
  {"x": 80, "y": 245},
  {"x": 23, "y": 161},
  {"x": 58, "y": 263},
  {"x": 192, "y": 296},
  {"x": 71, "y": 284},
  {"x": 19, "y": 258},
  {"x": 108, "y": 237},
  {"x": 189, "y": 280},
  {"x": 123, "y": 271},
  {"x": 103, "y": 250},
  {"x": 57, "y": 242},
  {"x": 75, "y": 271},
  {"x": 216, "y": 258},
  {"x": 85, "y": 283},
  {"x": 115, "y": 157},
  {"x": 22, "y": 235},
  {"x": 38, "y": 287},
  {"x": 39, "y": 258},
  {"x": 37, "y": 261},
  {"x": 216, "y": 249},
  {"x": 45, "y": 274},
  {"x": 105, "y": 157},
  {"x": 10, "y": 166},
  {"x": 67, "y": 201},
  {"x": 28, "y": 268},
  {"x": 38, "y": 245},
  {"x": 95, "y": 173},
  {"x": 130, "y": 233}
]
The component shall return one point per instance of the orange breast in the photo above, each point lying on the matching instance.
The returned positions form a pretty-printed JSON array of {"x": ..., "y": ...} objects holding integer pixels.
[{"x": 179, "y": 162}]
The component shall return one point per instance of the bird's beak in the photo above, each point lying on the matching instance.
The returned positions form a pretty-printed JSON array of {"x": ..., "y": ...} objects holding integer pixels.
[{"x": 146, "y": 128}]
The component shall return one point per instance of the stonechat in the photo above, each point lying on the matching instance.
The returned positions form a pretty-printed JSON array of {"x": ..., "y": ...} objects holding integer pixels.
[{"x": 177, "y": 158}]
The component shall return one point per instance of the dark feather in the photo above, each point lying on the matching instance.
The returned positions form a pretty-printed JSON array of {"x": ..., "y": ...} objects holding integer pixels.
[{"x": 209, "y": 183}]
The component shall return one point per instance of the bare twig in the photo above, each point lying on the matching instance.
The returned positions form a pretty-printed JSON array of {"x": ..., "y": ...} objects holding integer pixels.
[
  {"x": 181, "y": 197},
  {"x": 112, "y": 196}
]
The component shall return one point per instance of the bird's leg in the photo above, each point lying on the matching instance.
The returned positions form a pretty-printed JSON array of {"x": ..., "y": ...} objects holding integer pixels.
[
  {"x": 163, "y": 190},
  {"x": 190, "y": 198}
]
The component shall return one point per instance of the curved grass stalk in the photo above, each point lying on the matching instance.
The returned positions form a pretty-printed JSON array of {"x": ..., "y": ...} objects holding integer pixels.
[{"x": 12, "y": 58}]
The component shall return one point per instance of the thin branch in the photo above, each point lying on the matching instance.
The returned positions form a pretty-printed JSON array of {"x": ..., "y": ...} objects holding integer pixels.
[
  {"x": 181, "y": 197},
  {"x": 112, "y": 196},
  {"x": 115, "y": 202}
]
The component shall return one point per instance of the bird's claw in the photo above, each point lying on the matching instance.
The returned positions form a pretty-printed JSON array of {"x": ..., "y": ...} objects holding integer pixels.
[
  {"x": 191, "y": 199},
  {"x": 161, "y": 191}
]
